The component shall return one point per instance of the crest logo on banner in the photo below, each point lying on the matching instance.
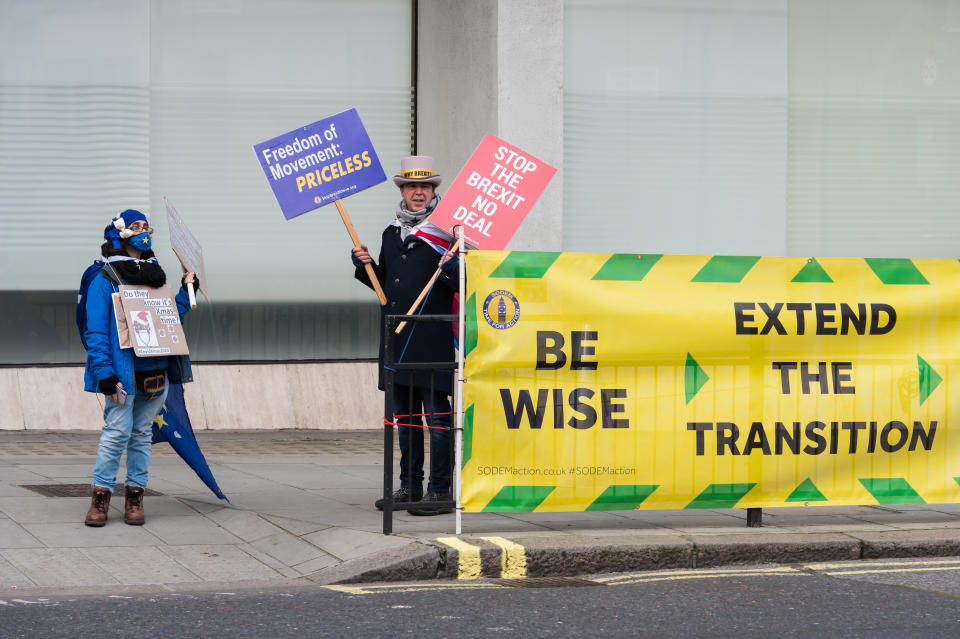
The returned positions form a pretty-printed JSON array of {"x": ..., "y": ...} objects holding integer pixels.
[{"x": 501, "y": 309}]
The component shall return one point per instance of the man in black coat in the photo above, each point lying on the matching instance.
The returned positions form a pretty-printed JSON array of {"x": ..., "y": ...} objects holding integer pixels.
[{"x": 411, "y": 250}]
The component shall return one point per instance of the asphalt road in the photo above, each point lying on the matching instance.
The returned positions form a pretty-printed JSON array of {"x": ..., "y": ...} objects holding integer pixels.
[{"x": 893, "y": 598}]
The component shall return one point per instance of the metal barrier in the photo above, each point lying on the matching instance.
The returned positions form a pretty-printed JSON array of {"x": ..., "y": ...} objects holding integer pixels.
[{"x": 414, "y": 419}]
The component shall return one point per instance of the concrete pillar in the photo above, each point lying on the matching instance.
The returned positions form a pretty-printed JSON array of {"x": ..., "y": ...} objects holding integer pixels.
[{"x": 494, "y": 66}]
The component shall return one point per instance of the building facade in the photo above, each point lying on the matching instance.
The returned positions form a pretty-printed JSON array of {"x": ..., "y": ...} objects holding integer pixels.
[{"x": 758, "y": 127}]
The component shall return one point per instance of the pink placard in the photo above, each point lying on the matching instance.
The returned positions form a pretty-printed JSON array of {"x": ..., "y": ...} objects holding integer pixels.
[{"x": 493, "y": 193}]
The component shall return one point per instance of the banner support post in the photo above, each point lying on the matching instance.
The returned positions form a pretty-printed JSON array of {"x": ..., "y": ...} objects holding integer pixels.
[
  {"x": 389, "y": 419},
  {"x": 356, "y": 243},
  {"x": 458, "y": 445}
]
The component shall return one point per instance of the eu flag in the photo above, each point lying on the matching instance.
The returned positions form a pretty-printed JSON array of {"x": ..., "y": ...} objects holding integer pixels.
[{"x": 173, "y": 425}]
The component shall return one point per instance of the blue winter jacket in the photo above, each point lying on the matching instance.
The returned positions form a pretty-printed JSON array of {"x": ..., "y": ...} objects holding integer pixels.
[{"x": 104, "y": 355}]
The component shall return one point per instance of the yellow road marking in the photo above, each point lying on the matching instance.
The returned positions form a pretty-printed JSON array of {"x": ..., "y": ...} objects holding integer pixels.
[
  {"x": 351, "y": 590},
  {"x": 893, "y": 572},
  {"x": 412, "y": 584},
  {"x": 415, "y": 587},
  {"x": 720, "y": 572},
  {"x": 468, "y": 562},
  {"x": 748, "y": 573},
  {"x": 851, "y": 564},
  {"x": 426, "y": 584},
  {"x": 513, "y": 560}
]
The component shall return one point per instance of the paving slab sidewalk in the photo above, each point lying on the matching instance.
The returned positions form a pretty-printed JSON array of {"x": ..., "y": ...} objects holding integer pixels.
[{"x": 301, "y": 512}]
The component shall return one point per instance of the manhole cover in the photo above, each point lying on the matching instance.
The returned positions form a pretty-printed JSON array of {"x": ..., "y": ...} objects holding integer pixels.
[
  {"x": 546, "y": 582},
  {"x": 75, "y": 490}
]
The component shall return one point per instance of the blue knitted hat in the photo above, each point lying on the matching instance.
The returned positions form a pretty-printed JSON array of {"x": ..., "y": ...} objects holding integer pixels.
[{"x": 117, "y": 229}]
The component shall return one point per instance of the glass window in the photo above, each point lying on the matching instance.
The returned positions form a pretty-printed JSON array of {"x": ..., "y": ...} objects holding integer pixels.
[
  {"x": 118, "y": 104},
  {"x": 762, "y": 127},
  {"x": 675, "y": 126},
  {"x": 874, "y": 128}
]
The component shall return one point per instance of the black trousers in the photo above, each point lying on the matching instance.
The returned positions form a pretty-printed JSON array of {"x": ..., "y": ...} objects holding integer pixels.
[{"x": 407, "y": 402}]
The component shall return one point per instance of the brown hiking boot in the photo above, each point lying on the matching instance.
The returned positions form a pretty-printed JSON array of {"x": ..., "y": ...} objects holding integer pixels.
[
  {"x": 99, "y": 504},
  {"x": 133, "y": 508}
]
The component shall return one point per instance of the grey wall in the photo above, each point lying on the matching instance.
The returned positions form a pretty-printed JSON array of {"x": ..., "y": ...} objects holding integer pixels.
[
  {"x": 328, "y": 396},
  {"x": 494, "y": 66}
]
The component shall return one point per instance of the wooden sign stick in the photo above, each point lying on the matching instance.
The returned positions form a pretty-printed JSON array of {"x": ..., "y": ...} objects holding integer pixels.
[
  {"x": 453, "y": 249},
  {"x": 356, "y": 243},
  {"x": 191, "y": 295}
]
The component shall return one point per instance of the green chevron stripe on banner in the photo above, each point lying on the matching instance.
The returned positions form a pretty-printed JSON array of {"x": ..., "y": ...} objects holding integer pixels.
[
  {"x": 806, "y": 491},
  {"x": 467, "y": 435},
  {"x": 525, "y": 264},
  {"x": 892, "y": 490},
  {"x": 957, "y": 479},
  {"x": 721, "y": 496},
  {"x": 694, "y": 378},
  {"x": 726, "y": 268},
  {"x": 929, "y": 379},
  {"x": 812, "y": 272},
  {"x": 470, "y": 325},
  {"x": 627, "y": 267},
  {"x": 623, "y": 497},
  {"x": 896, "y": 270},
  {"x": 518, "y": 499}
]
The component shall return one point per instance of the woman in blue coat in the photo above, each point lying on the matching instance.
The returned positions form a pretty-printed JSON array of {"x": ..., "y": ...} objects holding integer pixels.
[{"x": 134, "y": 387}]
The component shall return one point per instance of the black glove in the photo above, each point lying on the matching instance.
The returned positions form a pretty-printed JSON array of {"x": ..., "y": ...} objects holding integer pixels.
[
  {"x": 108, "y": 386},
  {"x": 196, "y": 282},
  {"x": 356, "y": 260}
]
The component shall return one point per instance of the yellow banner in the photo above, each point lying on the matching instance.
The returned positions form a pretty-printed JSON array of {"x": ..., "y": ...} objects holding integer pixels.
[{"x": 623, "y": 381}]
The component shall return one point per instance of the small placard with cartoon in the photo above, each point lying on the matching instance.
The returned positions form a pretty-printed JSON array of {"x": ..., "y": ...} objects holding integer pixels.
[{"x": 153, "y": 326}]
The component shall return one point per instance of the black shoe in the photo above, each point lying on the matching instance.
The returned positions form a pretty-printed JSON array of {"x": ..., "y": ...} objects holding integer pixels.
[
  {"x": 403, "y": 494},
  {"x": 431, "y": 497}
]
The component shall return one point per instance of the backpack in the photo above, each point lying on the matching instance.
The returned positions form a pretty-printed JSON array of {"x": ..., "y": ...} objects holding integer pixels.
[{"x": 86, "y": 279}]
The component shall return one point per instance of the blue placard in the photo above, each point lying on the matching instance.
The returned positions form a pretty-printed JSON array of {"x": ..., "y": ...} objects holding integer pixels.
[{"x": 319, "y": 163}]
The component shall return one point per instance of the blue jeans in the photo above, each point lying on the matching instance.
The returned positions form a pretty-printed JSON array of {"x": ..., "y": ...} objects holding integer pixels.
[
  {"x": 127, "y": 427},
  {"x": 411, "y": 437}
]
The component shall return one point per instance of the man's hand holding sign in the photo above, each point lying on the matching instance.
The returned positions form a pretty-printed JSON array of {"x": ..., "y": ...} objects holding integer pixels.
[{"x": 321, "y": 163}]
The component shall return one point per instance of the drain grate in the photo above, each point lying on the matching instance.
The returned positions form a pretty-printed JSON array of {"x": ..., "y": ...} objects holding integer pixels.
[
  {"x": 75, "y": 490},
  {"x": 546, "y": 582}
]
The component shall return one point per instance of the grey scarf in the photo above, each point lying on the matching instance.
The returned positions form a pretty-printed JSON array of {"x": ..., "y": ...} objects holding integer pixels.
[{"x": 410, "y": 219}]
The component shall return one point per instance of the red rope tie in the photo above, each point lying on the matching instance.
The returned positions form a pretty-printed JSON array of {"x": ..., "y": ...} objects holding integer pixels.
[{"x": 389, "y": 423}]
